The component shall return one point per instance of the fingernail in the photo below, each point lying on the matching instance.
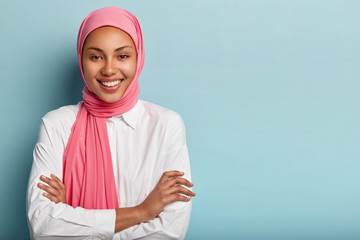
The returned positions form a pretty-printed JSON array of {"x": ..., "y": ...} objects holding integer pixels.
[
  {"x": 40, "y": 185},
  {"x": 45, "y": 193}
]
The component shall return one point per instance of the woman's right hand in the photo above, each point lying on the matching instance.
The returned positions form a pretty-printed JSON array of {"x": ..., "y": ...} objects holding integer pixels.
[
  {"x": 168, "y": 190},
  {"x": 54, "y": 190}
]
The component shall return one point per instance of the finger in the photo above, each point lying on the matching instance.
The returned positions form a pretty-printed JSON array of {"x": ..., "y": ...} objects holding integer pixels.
[
  {"x": 48, "y": 189},
  {"x": 51, "y": 197},
  {"x": 178, "y": 180},
  {"x": 170, "y": 174},
  {"x": 50, "y": 182},
  {"x": 179, "y": 189},
  {"x": 177, "y": 197},
  {"x": 57, "y": 180}
]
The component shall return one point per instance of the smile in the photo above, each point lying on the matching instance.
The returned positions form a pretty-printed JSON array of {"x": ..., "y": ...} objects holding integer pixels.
[{"x": 110, "y": 83}]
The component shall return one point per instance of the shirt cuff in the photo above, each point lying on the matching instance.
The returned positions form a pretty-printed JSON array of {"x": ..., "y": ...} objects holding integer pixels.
[{"x": 104, "y": 226}]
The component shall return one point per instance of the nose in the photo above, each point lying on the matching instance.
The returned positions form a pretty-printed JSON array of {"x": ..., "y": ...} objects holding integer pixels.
[{"x": 109, "y": 68}]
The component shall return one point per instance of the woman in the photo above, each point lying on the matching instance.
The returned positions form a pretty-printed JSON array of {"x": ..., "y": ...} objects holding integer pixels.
[{"x": 113, "y": 166}]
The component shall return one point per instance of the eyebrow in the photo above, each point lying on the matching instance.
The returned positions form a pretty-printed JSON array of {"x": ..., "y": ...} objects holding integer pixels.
[{"x": 100, "y": 50}]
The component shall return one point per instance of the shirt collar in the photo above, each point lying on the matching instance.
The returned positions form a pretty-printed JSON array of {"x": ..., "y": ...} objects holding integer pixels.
[{"x": 131, "y": 116}]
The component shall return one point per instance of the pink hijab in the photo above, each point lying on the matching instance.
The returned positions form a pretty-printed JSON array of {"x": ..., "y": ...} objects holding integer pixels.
[{"x": 87, "y": 165}]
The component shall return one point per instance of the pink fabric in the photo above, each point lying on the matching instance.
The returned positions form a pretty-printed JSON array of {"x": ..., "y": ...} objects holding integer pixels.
[{"x": 87, "y": 165}]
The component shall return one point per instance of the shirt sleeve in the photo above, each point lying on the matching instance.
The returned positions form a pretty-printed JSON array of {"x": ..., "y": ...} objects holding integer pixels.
[
  {"x": 173, "y": 221},
  {"x": 48, "y": 220}
]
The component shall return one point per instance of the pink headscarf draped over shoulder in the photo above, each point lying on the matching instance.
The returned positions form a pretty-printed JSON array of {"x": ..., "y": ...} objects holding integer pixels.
[{"x": 87, "y": 165}]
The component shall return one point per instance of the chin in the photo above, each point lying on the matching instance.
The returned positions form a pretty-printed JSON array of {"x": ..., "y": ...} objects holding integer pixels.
[
  {"x": 109, "y": 97},
  {"x": 110, "y": 100}
]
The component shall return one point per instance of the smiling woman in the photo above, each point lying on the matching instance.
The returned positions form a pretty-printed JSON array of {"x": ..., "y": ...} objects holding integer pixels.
[
  {"x": 109, "y": 62},
  {"x": 112, "y": 166}
]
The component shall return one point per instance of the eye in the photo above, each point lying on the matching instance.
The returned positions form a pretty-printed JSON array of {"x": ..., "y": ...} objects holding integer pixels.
[
  {"x": 95, "y": 57},
  {"x": 123, "y": 56}
]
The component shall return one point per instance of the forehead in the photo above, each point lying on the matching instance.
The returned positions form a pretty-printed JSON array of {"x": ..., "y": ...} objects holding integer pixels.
[{"x": 108, "y": 36}]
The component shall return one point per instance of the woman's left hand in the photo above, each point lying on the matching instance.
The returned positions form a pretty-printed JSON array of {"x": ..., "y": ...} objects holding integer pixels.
[{"x": 54, "y": 190}]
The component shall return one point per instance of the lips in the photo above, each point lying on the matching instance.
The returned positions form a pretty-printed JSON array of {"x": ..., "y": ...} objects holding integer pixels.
[{"x": 110, "y": 84}]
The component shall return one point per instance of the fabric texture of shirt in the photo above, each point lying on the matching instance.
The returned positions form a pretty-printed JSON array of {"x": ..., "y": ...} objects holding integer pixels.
[{"x": 144, "y": 142}]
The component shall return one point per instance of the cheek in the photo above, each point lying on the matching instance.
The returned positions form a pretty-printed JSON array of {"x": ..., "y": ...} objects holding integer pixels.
[
  {"x": 131, "y": 69},
  {"x": 89, "y": 74},
  {"x": 89, "y": 70}
]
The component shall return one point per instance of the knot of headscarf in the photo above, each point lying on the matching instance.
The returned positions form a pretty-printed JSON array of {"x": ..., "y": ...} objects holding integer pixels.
[{"x": 87, "y": 165}]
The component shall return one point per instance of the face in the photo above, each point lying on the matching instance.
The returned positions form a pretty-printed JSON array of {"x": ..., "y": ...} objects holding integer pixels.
[{"x": 109, "y": 62}]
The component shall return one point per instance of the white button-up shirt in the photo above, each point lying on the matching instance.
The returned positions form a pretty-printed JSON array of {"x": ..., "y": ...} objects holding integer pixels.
[{"x": 145, "y": 142}]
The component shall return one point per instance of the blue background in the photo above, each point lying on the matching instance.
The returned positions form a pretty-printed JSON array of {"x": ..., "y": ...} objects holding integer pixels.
[{"x": 268, "y": 90}]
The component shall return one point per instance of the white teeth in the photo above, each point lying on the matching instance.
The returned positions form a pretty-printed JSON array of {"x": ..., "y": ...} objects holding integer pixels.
[{"x": 111, "y": 84}]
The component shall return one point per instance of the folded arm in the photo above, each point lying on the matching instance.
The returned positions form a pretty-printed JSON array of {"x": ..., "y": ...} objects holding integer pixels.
[
  {"x": 52, "y": 218},
  {"x": 168, "y": 190}
]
